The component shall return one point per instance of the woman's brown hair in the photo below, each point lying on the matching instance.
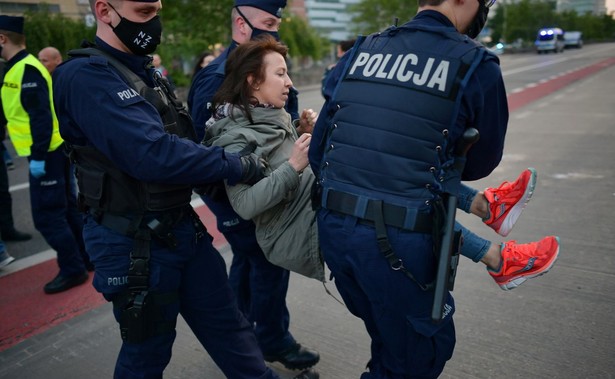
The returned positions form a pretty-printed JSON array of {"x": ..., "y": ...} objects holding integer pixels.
[{"x": 244, "y": 61}]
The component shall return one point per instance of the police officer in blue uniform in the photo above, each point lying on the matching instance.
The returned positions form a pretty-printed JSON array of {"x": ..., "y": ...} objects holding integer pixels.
[
  {"x": 382, "y": 150},
  {"x": 260, "y": 286},
  {"x": 33, "y": 127},
  {"x": 136, "y": 163}
]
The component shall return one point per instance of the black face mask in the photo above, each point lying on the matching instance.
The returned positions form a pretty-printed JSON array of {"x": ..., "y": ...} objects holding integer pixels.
[
  {"x": 479, "y": 21},
  {"x": 256, "y": 31},
  {"x": 141, "y": 38}
]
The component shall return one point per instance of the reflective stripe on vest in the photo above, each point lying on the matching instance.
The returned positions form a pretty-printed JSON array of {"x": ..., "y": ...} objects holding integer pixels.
[{"x": 18, "y": 120}]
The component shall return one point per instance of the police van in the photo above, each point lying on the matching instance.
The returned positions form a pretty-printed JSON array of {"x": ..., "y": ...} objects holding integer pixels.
[{"x": 550, "y": 39}]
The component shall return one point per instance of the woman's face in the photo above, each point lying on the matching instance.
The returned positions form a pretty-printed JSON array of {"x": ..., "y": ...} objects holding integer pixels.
[{"x": 274, "y": 89}]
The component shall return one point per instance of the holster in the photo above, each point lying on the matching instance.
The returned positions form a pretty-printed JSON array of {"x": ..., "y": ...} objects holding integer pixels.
[
  {"x": 141, "y": 314},
  {"x": 140, "y": 309}
]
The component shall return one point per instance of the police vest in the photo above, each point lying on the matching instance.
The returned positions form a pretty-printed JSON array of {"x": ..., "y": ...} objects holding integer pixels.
[
  {"x": 18, "y": 120},
  {"x": 102, "y": 185},
  {"x": 396, "y": 103}
]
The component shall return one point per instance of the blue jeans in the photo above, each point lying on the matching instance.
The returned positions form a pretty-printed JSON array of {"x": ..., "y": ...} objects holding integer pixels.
[{"x": 474, "y": 247}]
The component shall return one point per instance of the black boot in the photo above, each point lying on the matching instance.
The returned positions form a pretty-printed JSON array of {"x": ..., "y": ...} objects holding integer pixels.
[
  {"x": 296, "y": 357},
  {"x": 62, "y": 283},
  {"x": 14, "y": 235}
]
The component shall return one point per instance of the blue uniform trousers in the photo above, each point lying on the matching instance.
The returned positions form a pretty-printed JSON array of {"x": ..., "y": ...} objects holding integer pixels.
[
  {"x": 53, "y": 201},
  {"x": 396, "y": 312},
  {"x": 197, "y": 272},
  {"x": 260, "y": 286}
]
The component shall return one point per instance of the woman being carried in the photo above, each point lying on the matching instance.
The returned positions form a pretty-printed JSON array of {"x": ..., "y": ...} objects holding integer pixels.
[{"x": 249, "y": 116}]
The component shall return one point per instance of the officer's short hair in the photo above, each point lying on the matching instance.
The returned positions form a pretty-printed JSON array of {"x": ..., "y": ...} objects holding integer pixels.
[{"x": 15, "y": 38}]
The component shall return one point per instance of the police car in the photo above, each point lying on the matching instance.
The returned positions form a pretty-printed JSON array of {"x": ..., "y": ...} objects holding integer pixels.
[{"x": 550, "y": 39}]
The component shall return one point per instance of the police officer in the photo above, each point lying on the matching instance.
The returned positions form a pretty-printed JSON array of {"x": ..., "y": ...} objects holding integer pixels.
[
  {"x": 381, "y": 151},
  {"x": 33, "y": 127},
  {"x": 260, "y": 286},
  {"x": 136, "y": 164}
]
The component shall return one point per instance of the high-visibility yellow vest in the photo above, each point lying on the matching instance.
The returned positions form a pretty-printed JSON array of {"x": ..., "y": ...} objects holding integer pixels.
[{"x": 18, "y": 120}]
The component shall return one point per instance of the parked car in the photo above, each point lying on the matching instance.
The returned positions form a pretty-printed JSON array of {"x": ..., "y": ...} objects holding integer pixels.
[
  {"x": 573, "y": 39},
  {"x": 550, "y": 39}
]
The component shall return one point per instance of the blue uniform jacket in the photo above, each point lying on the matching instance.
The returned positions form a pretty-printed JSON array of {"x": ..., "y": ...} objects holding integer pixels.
[
  {"x": 203, "y": 88},
  {"x": 484, "y": 102},
  {"x": 35, "y": 101},
  {"x": 96, "y": 107}
]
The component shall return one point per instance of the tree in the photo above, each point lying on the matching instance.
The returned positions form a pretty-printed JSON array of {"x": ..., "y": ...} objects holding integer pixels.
[
  {"x": 302, "y": 40},
  {"x": 370, "y": 16},
  {"x": 184, "y": 38},
  {"x": 191, "y": 27},
  {"x": 43, "y": 29}
]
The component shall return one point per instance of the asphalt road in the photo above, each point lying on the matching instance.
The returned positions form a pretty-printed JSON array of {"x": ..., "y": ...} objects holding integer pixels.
[{"x": 556, "y": 326}]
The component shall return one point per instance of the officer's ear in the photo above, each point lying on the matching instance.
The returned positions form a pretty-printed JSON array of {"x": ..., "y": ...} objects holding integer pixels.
[
  {"x": 241, "y": 25},
  {"x": 103, "y": 11}
]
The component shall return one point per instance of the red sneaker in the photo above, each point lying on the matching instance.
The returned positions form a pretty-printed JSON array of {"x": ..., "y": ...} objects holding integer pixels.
[
  {"x": 525, "y": 261},
  {"x": 508, "y": 200}
]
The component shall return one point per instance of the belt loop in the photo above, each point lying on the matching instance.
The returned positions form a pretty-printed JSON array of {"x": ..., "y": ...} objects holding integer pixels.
[
  {"x": 325, "y": 197},
  {"x": 411, "y": 218},
  {"x": 360, "y": 208}
]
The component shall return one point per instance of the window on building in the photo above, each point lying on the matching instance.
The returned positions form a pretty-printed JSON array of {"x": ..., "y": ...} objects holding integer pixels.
[{"x": 20, "y": 8}]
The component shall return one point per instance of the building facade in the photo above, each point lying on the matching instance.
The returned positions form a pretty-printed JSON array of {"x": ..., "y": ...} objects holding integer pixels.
[
  {"x": 596, "y": 7},
  {"x": 331, "y": 17},
  {"x": 76, "y": 9}
]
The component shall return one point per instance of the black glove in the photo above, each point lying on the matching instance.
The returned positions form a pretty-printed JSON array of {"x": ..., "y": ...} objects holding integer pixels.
[
  {"x": 214, "y": 191},
  {"x": 253, "y": 168}
]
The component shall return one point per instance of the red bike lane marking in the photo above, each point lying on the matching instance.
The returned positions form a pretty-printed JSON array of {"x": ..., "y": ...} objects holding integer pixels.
[
  {"x": 28, "y": 311},
  {"x": 531, "y": 94}
]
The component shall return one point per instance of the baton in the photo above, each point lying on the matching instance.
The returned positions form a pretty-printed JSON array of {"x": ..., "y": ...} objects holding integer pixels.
[{"x": 447, "y": 263}]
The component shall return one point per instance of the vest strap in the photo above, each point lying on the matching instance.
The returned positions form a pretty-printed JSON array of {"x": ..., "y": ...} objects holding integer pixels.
[{"x": 386, "y": 249}]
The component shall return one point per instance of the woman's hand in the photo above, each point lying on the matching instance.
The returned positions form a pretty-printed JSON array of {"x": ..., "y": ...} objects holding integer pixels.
[
  {"x": 299, "y": 156},
  {"x": 307, "y": 121}
]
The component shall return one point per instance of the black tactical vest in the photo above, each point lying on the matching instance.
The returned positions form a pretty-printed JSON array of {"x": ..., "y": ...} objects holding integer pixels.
[
  {"x": 102, "y": 185},
  {"x": 397, "y": 102}
]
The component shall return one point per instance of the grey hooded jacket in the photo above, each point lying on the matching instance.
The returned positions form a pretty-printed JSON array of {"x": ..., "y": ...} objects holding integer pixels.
[{"x": 280, "y": 203}]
